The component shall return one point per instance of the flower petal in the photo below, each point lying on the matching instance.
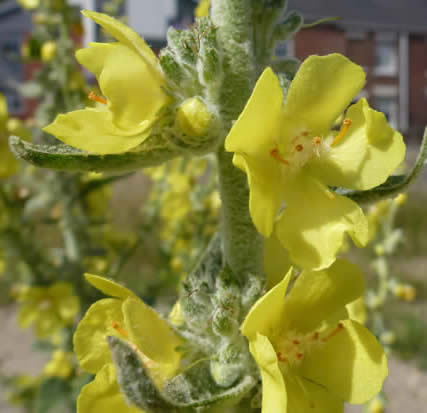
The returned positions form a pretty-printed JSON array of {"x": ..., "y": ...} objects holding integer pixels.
[
  {"x": 93, "y": 130},
  {"x": 314, "y": 223},
  {"x": 265, "y": 196},
  {"x": 307, "y": 397},
  {"x": 109, "y": 287},
  {"x": 369, "y": 152},
  {"x": 274, "y": 394},
  {"x": 265, "y": 314},
  {"x": 103, "y": 395},
  {"x": 151, "y": 333},
  {"x": 351, "y": 364},
  {"x": 322, "y": 89},
  {"x": 257, "y": 127},
  {"x": 90, "y": 344},
  {"x": 317, "y": 295},
  {"x": 124, "y": 34},
  {"x": 276, "y": 261},
  {"x": 133, "y": 92}
]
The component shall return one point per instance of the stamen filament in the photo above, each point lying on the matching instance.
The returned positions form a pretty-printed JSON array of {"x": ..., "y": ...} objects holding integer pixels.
[
  {"x": 344, "y": 128},
  {"x": 276, "y": 155},
  {"x": 96, "y": 98},
  {"x": 334, "y": 332},
  {"x": 120, "y": 330}
]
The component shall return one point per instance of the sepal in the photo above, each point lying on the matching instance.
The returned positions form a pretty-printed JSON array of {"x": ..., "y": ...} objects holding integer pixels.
[
  {"x": 135, "y": 382},
  {"x": 289, "y": 26},
  {"x": 196, "y": 388}
]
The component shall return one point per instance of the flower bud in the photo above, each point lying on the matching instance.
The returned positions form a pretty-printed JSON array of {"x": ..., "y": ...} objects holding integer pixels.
[
  {"x": 48, "y": 51},
  {"x": 193, "y": 117}
]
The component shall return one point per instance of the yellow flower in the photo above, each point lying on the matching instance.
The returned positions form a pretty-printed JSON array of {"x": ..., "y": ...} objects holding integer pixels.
[
  {"x": 61, "y": 365},
  {"x": 129, "y": 318},
  {"x": 292, "y": 157},
  {"x": 129, "y": 76},
  {"x": 48, "y": 51},
  {"x": 312, "y": 357},
  {"x": 48, "y": 308}
]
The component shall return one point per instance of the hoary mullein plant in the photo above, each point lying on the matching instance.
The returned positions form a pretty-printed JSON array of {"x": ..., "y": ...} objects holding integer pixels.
[{"x": 263, "y": 320}]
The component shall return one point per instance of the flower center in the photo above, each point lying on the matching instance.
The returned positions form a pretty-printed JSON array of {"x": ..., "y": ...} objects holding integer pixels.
[
  {"x": 293, "y": 347},
  {"x": 304, "y": 146}
]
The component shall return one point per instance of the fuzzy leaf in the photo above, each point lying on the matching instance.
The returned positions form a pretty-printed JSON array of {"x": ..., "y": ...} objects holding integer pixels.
[
  {"x": 66, "y": 158},
  {"x": 134, "y": 379}
]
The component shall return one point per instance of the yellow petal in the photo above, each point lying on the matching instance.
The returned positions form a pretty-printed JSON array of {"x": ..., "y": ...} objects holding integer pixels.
[
  {"x": 265, "y": 314},
  {"x": 90, "y": 344},
  {"x": 124, "y": 34},
  {"x": 109, "y": 287},
  {"x": 307, "y": 397},
  {"x": 352, "y": 364},
  {"x": 315, "y": 221},
  {"x": 133, "y": 91},
  {"x": 256, "y": 129},
  {"x": 93, "y": 130},
  {"x": 322, "y": 89},
  {"x": 276, "y": 261},
  {"x": 369, "y": 152},
  {"x": 317, "y": 295},
  {"x": 274, "y": 394},
  {"x": 103, "y": 395},
  {"x": 151, "y": 333},
  {"x": 265, "y": 196}
]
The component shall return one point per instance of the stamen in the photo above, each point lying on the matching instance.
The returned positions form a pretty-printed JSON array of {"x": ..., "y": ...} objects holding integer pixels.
[
  {"x": 300, "y": 356},
  {"x": 316, "y": 336},
  {"x": 281, "y": 358},
  {"x": 305, "y": 133},
  {"x": 334, "y": 332},
  {"x": 299, "y": 148},
  {"x": 344, "y": 128},
  {"x": 276, "y": 155},
  {"x": 317, "y": 140},
  {"x": 296, "y": 342},
  {"x": 96, "y": 98},
  {"x": 120, "y": 330}
]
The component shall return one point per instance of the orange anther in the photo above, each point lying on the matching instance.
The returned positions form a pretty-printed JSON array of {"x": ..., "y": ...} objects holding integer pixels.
[
  {"x": 300, "y": 356},
  {"x": 344, "y": 128},
  {"x": 296, "y": 342},
  {"x": 96, "y": 98},
  {"x": 316, "y": 335},
  {"x": 120, "y": 330},
  {"x": 317, "y": 140},
  {"x": 281, "y": 358},
  {"x": 299, "y": 148},
  {"x": 276, "y": 155},
  {"x": 305, "y": 133}
]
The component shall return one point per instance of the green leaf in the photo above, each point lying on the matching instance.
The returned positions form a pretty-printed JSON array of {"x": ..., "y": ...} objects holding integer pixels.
[
  {"x": 196, "y": 387},
  {"x": 134, "y": 379},
  {"x": 394, "y": 184},
  {"x": 65, "y": 158}
]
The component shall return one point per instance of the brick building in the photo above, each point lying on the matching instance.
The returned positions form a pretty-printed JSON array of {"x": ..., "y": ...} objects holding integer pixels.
[{"x": 388, "y": 38}]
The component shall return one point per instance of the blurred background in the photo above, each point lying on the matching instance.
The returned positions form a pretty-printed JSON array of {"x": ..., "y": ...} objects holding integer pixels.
[{"x": 388, "y": 38}]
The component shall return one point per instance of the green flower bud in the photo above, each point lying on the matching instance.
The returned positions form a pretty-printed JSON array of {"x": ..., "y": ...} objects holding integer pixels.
[
  {"x": 193, "y": 117},
  {"x": 48, "y": 51}
]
